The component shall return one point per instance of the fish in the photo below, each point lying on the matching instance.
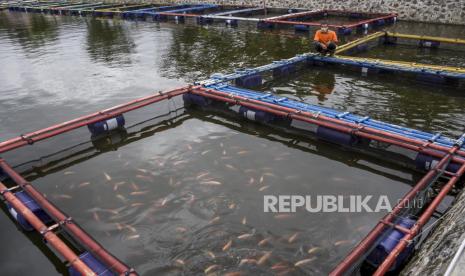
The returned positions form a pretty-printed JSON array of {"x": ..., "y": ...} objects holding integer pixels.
[
  {"x": 283, "y": 216},
  {"x": 251, "y": 180},
  {"x": 231, "y": 167},
  {"x": 179, "y": 162},
  {"x": 116, "y": 185},
  {"x": 211, "y": 268},
  {"x": 224, "y": 152},
  {"x": 215, "y": 183},
  {"x": 132, "y": 237},
  {"x": 62, "y": 196},
  {"x": 242, "y": 152},
  {"x": 68, "y": 172},
  {"x": 139, "y": 193},
  {"x": 232, "y": 206},
  {"x": 264, "y": 241},
  {"x": 247, "y": 261},
  {"x": 279, "y": 266},
  {"x": 202, "y": 175},
  {"x": 114, "y": 212},
  {"x": 189, "y": 147},
  {"x": 244, "y": 236},
  {"x": 205, "y": 152},
  {"x": 133, "y": 185},
  {"x": 180, "y": 262},
  {"x": 107, "y": 176},
  {"x": 314, "y": 250},
  {"x": 264, "y": 258},
  {"x": 119, "y": 226},
  {"x": 131, "y": 228},
  {"x": 291, "y": 177},
  {"x": 191, "y": 200},
  {"x": 293, "y": 238},
  {"x": 263, "y": 188},
  {"x": 135, "y": 204},
  {"x": 163, "y": 203},
  {"x": 121, "y": 197},
  {"x": 181, "y": 229},
  {"x": 305, "y": 261},
  {"x": 361, "y": 228},
  {"x": 96, "y": 216},
  {"x": 211, "y": 254},
  {"x": 226, "y": 157},
  {"x": 83, "y": 184},
  {"x": 342, "y": 242},
  {"x": 143, "y": 170},
  {"x": 244, "y": 220},
  {"x": 227, "y": 246},
  {"x": 215, "y": 219},
  {"x": 262, "y": 178},
  {"x": 286, "y": 272},
  {"x": 234, "y": 273}
]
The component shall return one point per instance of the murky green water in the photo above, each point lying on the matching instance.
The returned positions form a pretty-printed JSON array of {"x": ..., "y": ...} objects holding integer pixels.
[{"x": 170, "y": 195}]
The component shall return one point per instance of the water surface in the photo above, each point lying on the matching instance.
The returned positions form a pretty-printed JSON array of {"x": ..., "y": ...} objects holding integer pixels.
[{"x": 168, "y": 194}]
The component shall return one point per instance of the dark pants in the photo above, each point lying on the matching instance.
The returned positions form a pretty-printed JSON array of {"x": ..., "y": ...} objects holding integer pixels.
[{"x": 331, "y": 48}]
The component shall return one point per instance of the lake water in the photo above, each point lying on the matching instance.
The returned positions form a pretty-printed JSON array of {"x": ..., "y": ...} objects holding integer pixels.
[{"x": 172, "y": 192}]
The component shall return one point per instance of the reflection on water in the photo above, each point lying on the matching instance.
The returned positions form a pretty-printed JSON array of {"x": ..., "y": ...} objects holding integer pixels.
[
  {"x": 196, "y": 53},
  {"x": 388, "y": 98},
  {"x": 109, "y": 41},
  {"x": 324, "y": 84},
  {"x": 183, "y": 192},
  {"x": 30, "y": 31}
]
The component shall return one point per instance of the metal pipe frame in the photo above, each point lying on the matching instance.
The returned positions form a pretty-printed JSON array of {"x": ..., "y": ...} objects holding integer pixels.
[
  {"x": 54, "y": 130},
  {"x": 45, "y": 231},
  {"x": 346, "y": 127},
  {"x": 67, "y": 223},
  {"x": 371, "y": 238},
  {"x": 285, "y": 19}
]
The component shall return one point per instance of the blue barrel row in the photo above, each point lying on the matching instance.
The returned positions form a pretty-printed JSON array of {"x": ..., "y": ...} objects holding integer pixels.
[
  {"x": 147, "y": 11},
  {"x": 343, "y": 116},
  {"x": 387, "y": 67},
  {"x": 90, "y": 260},
  {"x": 180, "y": 9}
]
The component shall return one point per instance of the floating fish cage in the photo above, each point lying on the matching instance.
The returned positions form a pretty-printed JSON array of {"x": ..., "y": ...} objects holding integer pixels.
[
  {"x": 386, "y": 248},
  {"x": 264, "y": 18},
  {"x": 352, "y": 21},
  {"x": 424, "y": 73},
  {"x": 393, "y": 240}
]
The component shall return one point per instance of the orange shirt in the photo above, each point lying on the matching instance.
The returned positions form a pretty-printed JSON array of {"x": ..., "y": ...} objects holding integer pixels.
[{"x": 325, "y": 38}]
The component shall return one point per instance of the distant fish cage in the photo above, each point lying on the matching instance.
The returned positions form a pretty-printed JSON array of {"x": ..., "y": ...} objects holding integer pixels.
[
  {"x": 385, "y": 248},
  {"x": 267, "y": 18}
]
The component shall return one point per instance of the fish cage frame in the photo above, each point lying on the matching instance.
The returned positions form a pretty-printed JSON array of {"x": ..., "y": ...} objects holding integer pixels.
[
  {"x": 429, "y": 73},
  {"x": 446, "y": 151},
  {"x": 369, "y": 19},
  {"x": 140, "y": 10}
]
